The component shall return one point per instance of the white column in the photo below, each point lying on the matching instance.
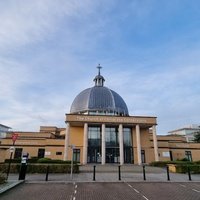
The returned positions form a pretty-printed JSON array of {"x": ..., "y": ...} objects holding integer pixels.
[
  {"x": 138, "y": 144},
  {"x": 66, "y": 141},
  {"x": 155, "y": 144},
  {"x": 103, "y": 145},
  {"x": 121, "y": 145},
  {"x": 85, "y": 143}
]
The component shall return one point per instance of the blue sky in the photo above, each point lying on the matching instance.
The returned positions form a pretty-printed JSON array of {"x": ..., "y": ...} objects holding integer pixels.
[{"x": 149, "y": 50}]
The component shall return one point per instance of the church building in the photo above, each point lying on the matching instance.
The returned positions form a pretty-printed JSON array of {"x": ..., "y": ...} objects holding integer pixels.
[{"x": 99, "y": 129}]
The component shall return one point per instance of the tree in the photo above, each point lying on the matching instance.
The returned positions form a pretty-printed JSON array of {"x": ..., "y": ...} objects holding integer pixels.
[{"x": 197, "y": 137}]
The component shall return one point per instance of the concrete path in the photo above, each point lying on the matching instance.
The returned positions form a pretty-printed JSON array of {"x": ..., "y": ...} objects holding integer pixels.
[{"x": 109, "y": 177}]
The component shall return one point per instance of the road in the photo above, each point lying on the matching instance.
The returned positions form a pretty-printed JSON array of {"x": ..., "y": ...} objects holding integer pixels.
[{"x": 105, "y": 191}]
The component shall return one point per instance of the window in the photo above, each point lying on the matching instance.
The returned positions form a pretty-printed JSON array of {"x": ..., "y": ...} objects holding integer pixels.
[
  {"x": 127, "y": 137},
  {"x": 112, "y": 139},
  {"x": 41, "y": 153},
  {"x": 76, "y": 155},
  {"x": 188, "y": 155},
  {"x": 94, "y": 144},
  {"x": 18, "y": 153},
  {"x": 94, "y": 136},
  {"x": 128, "y": 149},
  {"x": 171, "y": 155},
  {"x": 58, "y": 153}
]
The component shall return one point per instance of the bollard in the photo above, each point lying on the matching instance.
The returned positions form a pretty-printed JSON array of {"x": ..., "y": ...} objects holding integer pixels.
[
  {"x": 23, "y": 168},
  {"x": 94, "y": 173},
  {"x": 47, "y": 173},
  {"x": 119, "y": 172},
  {"x": 22, "y": 173},
  {"x": 144, "y": 175},
  {"x": 189, "y": 174},
  {"x": 168, "y": 178}
]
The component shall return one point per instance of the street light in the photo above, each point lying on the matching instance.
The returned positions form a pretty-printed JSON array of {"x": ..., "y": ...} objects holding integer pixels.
[
  {"x": 72, "y": 160},
  {"x": 12, "y": 148}
]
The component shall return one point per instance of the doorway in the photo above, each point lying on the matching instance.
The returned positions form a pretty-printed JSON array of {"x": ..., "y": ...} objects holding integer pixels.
[{"x": 112, "y": 155}]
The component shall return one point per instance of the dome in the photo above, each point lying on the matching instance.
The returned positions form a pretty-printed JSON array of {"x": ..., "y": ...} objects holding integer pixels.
[{"x": 99, "y": 100}]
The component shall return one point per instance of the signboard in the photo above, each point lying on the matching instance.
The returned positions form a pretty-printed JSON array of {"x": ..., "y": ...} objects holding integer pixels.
[
  {"x": 166, "y": 154},
  {"x": 14, "y": 137},
  {"x": 111, "y": 119},
  {"x": 12, "y": 148},
  {"x": 47, "y": 153}
]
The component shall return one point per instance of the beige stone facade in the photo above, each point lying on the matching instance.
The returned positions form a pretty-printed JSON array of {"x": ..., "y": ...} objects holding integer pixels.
[{"x": 50, "y": 142}]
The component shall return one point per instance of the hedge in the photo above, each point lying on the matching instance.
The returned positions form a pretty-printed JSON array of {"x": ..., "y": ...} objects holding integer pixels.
[
  {"x": 2, "y": 177},
  {"x": 194, "y": 169},
  {"x": 178, "y": 162},
  {"x": 42, "y": 168},
  {"x": 40, "y": 160},
  {"x": 181, "y": 166}
]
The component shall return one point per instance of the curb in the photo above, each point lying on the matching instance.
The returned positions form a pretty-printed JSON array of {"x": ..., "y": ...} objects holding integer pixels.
[{"x": 10, "y": 186}]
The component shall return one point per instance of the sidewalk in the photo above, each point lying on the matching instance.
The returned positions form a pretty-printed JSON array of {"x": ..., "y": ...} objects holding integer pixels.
[
  {"x": 129, "y": 173},
  {"x": 9, "y": 185},
  {"x": 108, "y": 177}
]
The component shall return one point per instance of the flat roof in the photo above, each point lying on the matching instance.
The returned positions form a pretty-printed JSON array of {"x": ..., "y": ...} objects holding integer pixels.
[{"x": 5, "y": 126}]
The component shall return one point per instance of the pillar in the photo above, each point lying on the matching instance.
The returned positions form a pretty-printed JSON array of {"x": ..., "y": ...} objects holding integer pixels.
[
  {"x": 121, "y": 145},
  {"x": 85, "y": 143},
  {"x": 66, "y": 141},
  {"x": 138, "y": 144},
  {"x": 155, "y": 144},
  {"x": 103, "y": 145}
]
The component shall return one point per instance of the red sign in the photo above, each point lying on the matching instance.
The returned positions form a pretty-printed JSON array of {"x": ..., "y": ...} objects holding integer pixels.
[{"x": 14, "y": 137}]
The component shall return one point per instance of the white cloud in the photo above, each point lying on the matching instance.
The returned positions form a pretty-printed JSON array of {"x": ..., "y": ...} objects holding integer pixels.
[
  {"x": 49, "y": 50},
  {"x": 24, "y": 22}
]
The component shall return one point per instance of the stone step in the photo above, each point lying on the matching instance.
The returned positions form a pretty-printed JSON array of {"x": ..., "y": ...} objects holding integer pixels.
[{"x": 124, "y": 168}]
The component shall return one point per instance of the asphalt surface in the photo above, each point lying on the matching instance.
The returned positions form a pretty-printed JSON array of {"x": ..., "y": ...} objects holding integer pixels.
[{"x": 105, "y": 191}]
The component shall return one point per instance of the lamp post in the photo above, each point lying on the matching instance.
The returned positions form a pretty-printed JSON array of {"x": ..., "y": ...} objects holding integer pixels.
[
  {"x": 12, "y": 148},
  {"x": 72, "y": 160}
]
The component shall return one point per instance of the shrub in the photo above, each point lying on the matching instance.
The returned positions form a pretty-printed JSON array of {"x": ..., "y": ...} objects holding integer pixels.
[
  {"x": 15, "y": 160},
  {"x": 197, "y": 162},
  {"x": 184, "y": 159},
  {"x": 2, "y": 176},
  {"x": 165, "y": 163},
  {"x": 53, "y": 168},
  {"x": 42, "y": 168},
  {"x": 195, "y": 169},
  {"x": 48, "y": 160},
  {"x": 39, "y": 160}
]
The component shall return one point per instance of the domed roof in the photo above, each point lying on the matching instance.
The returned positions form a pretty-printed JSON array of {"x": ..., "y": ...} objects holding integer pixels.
[{"x": 99, "y": 100}]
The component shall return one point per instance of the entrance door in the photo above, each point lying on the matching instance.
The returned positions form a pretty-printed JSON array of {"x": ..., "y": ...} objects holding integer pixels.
[
  {"x": 112, "y": 155},
  {"x": 94, "y": 155},
  {"x": 143, "y": 156},
  {"x": 128, "y": 155}
]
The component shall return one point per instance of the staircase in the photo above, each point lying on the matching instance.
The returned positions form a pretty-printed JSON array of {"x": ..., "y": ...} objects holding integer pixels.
[{"x": 110, "y": 168}]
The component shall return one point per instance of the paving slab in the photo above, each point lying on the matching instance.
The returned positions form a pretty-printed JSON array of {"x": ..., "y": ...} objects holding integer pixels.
[{"x": 105, "y": 191}]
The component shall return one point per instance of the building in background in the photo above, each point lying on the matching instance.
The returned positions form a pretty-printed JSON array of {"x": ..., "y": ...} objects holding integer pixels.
[
  {"x": 188, "y": 132},
  {"x": 3, "y": 130}
]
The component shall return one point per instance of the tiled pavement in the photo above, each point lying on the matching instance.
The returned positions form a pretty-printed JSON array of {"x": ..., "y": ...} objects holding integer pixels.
[
  {"x": 106, "y": 185},
  {"x": 105, "y": 191}
]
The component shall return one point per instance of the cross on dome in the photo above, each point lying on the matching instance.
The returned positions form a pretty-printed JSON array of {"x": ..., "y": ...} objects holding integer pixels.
[
  {"x": 99, "y": 80},
  {"x": 99, "y": 67}
]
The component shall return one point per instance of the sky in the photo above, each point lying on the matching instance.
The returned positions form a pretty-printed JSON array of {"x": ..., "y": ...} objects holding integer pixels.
[{"x": 149, "y": 51}]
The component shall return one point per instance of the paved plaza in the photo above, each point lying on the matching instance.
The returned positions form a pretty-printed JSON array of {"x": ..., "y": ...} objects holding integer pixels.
[
  {"x": 104, "y": 191},
  {"x": 106, "y": 185}
]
